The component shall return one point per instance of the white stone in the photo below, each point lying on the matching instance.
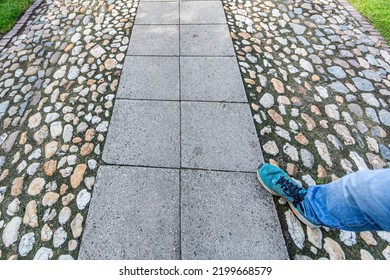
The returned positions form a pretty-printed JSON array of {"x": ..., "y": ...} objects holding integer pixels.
[
  {"x": 77, "y": 225},
  {"x": 385, "y": 235},
  {"x": 26, "y": 244},
  {"x": 60, "y": 73},
  {"x": 44, "y": 254},
  {"x": 314, "y": 235},
  {"x": 51, "y": 117},
  {"x": 46, "y": 233},
  {"x": 282, "y": 133},
  {"x": 323, "y": 152},
  {"x": 74, "y": 72},
  {"x": 333, "y": 249},
  {"x": 97, "y": 51},
  {"x": 2, "y": 193},
  {"x": 32, "y": 169},
  {"x": 66, "y": 258},
  {"x": 332, "y": 111},
  {"x": 348, "y": 237},
  {"x": 386, "y": 253},
  {"x": 368, "y": 238},
  {"x": 75, "y": 38},
  {"x": 359, "y": 161},
  {"x": 102, "y": 127},
  {"x": 64, "y": 215},
  {"x": 271, "y": 148},
  {"x": 306, "y": 65},
  {"x": 11, "y": 231},
  {"x": 13, "y": 207},
  {"x": 55, "y": 129},
  {"x": 68, "y": 132},
  {"x": 59, "y": 237},
  {"x": 83, "y": 199},
  {"x": 365, "y": 255},
  {"x": 291, "y": 151},
  {"x": 36, "y": 186},
  {"x": 295, "y": 229},
  {"x": 267, "y": 100}
]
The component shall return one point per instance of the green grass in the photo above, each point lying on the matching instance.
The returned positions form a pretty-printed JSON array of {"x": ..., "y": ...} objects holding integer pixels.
[
  {"x": 377, "y": 12},
  {"x": 10, "y": 12}
]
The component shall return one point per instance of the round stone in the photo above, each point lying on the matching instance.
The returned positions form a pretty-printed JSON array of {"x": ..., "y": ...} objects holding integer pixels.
[
  {"x": 11, "y": 231},
  {"x": 59, "y": 237},
  {"x": 36, "y": 186},
  {"x": 83, "y": 199},
  {"x": 64, "y": 215},
  {"x": 267, "y": 100},
  {"x": 26, "y": 244},
  {"x": 44, "y": 254}
]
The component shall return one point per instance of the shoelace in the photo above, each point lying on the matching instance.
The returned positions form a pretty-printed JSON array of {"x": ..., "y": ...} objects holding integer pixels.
[{"x": 291, "y": 189}]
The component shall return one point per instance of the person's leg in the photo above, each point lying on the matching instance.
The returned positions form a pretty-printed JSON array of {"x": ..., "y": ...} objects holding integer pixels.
[{"x": 357, "y": 202}]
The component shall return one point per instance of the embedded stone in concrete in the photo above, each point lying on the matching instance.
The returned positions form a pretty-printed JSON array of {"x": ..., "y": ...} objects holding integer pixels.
[
  {"x": 218, "y": 136},
  {"x": 144, "y": 133},
  {"x": 150, "y": 78},
  {"x": 211, "y": 79},
  {"x": 202, "y": 13},
  {"x": 134, "y": 214},
  {"x": 205, "y": 40},
  {"x": 228, "y": 216},
  {"x": 154, "y": 40},
  {"x": 158, "y": 13}
]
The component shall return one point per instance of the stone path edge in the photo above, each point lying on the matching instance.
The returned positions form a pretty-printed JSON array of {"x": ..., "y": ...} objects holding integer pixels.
[
  {"x": 365, "y": 23},
  {"x": 19, "y": 25}
]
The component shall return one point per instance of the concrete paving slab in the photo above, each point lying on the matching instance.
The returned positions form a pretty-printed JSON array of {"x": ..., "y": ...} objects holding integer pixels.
[
  {"x": 144, "y": 133},
  {"x": 228, "y": 215},
  {"x": 154, "y": 40},
  {"x": 206, "y": 12},
  {"x": 211, "y": 79},
  {"x": 150, "y": 77},
  {"x": 158, "y": 13},
  {"x": 134, "y": 214},
  {"x": 219, "y": 136},
  {"x": 205, "y": 40}
]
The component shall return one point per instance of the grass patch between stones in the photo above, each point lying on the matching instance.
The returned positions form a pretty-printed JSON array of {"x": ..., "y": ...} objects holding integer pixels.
[{"x": 10, "y": 12}]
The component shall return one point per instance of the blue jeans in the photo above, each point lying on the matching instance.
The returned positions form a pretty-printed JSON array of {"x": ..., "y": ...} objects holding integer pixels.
[{"x": 356, "y": 202}]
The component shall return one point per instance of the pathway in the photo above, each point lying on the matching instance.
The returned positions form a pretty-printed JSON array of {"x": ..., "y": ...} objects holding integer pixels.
[
  {"x": 318, "y": 81},
  {"x": 178, "y": 179}
]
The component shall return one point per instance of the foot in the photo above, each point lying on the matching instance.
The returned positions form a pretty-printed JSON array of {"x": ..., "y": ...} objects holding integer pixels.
[{"x": 277, "y": 182}]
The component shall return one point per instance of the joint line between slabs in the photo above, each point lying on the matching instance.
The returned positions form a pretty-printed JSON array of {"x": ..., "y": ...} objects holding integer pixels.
[
  {"x": 177, "y": 168},
  {"x": 180, "y": 216},
  {"x": 179, "y": 55},
  {"x": 181, "y": 100}
]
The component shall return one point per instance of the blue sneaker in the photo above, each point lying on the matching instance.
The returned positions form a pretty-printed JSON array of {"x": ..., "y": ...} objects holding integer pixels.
[{"x": 278, "y": 183}]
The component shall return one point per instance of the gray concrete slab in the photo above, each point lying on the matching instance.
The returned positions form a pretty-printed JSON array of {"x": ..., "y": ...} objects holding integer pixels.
[
  {"x": 228, "y": 215},
  {"x": 134, "y": 214},
  {"x": 144, "y": 133},
  {"x": 150, "y": 77},
  {"x": 219, "y": 136},
  {"x": 205, "y": 12},
  {"x": 154, "y": 40},
  {"x": 205, "y": 40},
  {"x": 211, "y": 79},
  {"x": 158, "y": 13}
]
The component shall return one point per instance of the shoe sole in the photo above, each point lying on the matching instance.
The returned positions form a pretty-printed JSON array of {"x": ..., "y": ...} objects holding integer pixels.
[{"x": 295, "y": 210}]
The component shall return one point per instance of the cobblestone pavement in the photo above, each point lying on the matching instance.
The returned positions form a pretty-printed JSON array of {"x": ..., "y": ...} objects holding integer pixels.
[
  {"x": 319, "y": 88},
  {"x": 57, "y": 85}
]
